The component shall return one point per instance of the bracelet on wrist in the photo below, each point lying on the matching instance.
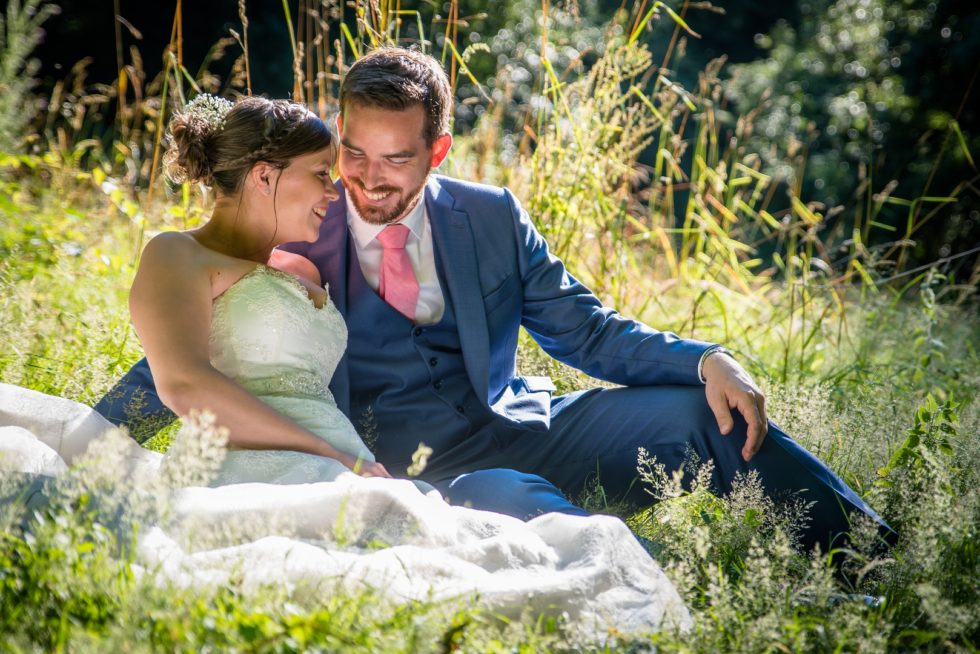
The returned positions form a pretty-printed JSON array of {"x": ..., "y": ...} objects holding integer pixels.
[{"x": 718, "y": 349}]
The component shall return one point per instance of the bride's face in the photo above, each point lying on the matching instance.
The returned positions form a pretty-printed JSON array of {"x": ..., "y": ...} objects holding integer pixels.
[{"x": 301, "y": 196}]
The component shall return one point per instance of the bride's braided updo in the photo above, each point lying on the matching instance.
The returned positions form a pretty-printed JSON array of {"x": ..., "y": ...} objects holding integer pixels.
[{"x": 218, "y": 147}]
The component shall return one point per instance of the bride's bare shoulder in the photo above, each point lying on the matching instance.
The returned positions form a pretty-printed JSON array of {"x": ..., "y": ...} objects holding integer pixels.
[
  {"x": 173, "y": 259},
  {"x": 171, "y": 265},
  {"x": 175, "y": 246},
  {"x": 170, "y": 249},
  {"x": 180, "y": 258}
]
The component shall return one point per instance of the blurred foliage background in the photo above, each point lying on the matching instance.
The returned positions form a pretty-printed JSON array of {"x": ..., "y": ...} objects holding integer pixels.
[{"x": 853, "y": 102}]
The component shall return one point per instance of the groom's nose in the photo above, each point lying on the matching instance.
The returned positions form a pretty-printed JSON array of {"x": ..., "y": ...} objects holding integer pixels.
[{"x": 372, "y": 174}]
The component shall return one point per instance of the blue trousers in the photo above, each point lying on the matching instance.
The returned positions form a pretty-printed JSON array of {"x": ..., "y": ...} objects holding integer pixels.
[{"x": 596, "y": 432}]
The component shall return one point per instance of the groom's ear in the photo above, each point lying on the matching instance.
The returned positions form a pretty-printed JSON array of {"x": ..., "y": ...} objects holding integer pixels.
[{"x": 440, "y": 148}]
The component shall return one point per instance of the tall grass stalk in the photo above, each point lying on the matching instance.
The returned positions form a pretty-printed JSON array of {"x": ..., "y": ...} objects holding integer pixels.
[
  {"x": 699, "y": 215},
  {"x": 20, "y": 32}
]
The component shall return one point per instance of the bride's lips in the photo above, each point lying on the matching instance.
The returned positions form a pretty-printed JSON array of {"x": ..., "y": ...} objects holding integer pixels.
[{"x": 320, "y": 212}]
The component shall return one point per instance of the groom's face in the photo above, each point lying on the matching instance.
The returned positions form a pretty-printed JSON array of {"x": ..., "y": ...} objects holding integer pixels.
[{"x": 384, "y": 160}]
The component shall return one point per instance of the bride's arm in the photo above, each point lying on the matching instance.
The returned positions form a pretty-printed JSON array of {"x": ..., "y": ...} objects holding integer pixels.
[{"x": 170, "y": 304}]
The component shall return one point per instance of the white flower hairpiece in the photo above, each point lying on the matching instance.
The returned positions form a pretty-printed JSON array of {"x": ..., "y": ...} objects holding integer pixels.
[{"x": 211, "y": 109}]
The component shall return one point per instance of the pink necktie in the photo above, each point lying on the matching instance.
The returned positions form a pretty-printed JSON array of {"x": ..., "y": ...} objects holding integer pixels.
[{"x": 398, "y": 285}]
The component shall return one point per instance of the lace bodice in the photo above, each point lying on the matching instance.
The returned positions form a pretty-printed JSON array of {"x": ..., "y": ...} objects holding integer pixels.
[{"x": 267, "y": 335}]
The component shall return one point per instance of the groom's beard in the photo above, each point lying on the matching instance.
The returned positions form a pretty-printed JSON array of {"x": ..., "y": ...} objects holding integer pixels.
[{"x": 382, "y": 215}]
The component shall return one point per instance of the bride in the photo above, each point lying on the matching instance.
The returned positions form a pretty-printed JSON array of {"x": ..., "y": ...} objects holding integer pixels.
[
  {"x": 231, "y": 325},
  {"x": 223, "y": 328}
]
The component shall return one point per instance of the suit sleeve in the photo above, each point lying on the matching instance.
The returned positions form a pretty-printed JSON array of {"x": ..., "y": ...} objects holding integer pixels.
[
  {"x": 572, "y": 325},
  {"x": 133, "y": 403}
]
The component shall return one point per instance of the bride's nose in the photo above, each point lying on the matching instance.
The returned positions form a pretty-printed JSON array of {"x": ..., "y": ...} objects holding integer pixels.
[{"x": 330, "y": 191}]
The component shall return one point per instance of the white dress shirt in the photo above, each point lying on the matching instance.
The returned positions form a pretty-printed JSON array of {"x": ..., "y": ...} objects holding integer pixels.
[{"x": 431, "y": 303}]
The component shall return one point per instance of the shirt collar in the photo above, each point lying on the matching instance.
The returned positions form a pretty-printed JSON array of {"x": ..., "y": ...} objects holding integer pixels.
[{"x": 365, "y": 232}]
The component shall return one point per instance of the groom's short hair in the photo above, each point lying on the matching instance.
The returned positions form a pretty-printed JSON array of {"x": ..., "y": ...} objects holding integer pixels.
[{"x": 397, "y": 79}]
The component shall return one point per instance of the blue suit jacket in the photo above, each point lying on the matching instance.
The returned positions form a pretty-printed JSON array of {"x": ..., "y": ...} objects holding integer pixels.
[{"x": 500, "y": 275}]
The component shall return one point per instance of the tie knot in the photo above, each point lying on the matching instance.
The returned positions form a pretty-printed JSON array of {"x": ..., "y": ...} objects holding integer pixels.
[{"x": 393, "y": 237}]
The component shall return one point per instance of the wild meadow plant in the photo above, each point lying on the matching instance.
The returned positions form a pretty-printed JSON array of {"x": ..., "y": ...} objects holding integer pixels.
[
  {"x": 690, "y": 243},
  {"x": 65, "y": 262},
  {"x": 69, "y": 580},
  {"x": 20, "y": 32},
  {"x": 750, "y": 589}
]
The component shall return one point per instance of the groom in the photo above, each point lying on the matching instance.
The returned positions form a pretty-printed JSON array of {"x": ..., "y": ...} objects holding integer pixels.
[{"x": 434, "y": 277}]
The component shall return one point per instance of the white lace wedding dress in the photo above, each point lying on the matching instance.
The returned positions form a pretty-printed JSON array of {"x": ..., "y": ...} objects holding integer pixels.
[
  {"x": 305, "y": 523},
  {"x": 267, "y": 335}
]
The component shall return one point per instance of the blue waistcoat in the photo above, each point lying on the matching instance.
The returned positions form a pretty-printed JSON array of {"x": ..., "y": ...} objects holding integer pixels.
[{"x": 418, "y": 391}]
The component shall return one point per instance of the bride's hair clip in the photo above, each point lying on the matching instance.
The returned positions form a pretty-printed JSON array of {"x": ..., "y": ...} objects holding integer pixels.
[{"x": 211, "y": 109}]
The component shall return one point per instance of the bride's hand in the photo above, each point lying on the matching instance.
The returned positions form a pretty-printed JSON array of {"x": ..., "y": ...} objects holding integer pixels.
[
  {"x": 367, "y": 468},
  {"x": 372, "y": 469}
]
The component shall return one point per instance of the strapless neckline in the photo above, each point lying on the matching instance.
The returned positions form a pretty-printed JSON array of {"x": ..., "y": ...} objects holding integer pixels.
[
  {"x": 261, "y": 268},
  {"x": 268, "y": 336},
  {"x": 266, "y": 326}
]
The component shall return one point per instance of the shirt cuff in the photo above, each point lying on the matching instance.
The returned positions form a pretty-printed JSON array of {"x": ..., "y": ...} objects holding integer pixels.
[{"x": 714, "y": 349}]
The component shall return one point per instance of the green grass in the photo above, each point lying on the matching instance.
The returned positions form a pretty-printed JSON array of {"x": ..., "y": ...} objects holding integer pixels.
[{"x": 877, "y": 377}]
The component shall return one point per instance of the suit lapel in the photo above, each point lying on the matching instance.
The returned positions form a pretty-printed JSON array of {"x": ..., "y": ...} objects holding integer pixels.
[
  {"x": 330, "y": 252},
  {"x": 453, "y": 241}
]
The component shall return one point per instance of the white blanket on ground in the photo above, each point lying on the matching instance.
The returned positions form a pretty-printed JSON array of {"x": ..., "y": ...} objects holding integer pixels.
[{"x": 355, "y": 532}]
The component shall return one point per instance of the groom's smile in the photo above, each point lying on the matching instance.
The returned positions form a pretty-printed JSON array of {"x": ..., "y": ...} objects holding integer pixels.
[
  {"x": 377, "y": 196},
  {"x": 385, "y": 161}
]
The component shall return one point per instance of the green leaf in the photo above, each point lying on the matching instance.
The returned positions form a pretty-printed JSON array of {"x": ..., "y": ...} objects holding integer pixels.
[
  {"x": 955, "y": 126},
  {"x": 646, "y": 19}
]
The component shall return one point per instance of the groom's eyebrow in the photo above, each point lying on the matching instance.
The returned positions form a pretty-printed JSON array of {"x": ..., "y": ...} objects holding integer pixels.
[
  {"x": 391, "y": 155},
  {"x": 350, "y": 146}
]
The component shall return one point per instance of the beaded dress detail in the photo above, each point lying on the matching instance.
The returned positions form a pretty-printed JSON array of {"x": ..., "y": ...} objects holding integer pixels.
[{"x": 267, "y": 335}]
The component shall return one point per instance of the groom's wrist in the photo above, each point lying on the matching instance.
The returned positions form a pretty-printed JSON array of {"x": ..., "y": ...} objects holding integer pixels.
[{"x": 711, "y": 351}]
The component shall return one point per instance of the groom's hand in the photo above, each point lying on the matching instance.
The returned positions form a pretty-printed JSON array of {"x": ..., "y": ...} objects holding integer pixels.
[{"x": 727, "y": 386}]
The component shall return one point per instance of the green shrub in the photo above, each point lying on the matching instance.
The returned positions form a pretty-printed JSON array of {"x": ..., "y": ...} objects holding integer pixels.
[{"x": 20, "y": 32}]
